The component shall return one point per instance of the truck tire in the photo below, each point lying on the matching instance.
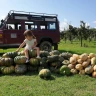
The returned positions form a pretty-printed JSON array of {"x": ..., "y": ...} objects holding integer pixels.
[{"x": 46, "y": 45}]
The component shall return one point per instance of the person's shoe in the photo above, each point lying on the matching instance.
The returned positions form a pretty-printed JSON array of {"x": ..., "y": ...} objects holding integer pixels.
[
  {"x": 27, "y": 60},
  {"x": 38, "y": 57}
]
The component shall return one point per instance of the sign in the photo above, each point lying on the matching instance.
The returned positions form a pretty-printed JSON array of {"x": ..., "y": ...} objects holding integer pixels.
[{"x": 13, "y": 35}]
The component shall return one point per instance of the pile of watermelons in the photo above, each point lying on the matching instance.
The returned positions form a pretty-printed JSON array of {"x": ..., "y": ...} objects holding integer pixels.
[{"x": 63, "y": 63}]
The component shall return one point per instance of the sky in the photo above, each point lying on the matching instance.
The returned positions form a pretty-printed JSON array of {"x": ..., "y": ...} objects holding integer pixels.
[{"x": 69, "y": 11}]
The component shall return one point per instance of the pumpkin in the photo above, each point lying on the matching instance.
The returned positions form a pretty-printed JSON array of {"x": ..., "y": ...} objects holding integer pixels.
[
  {"x": 65, "y": 70},
  {"x": 45, "y": 73},
  {"x": 61, "y": 59},
  {"x": 7, "y": 70},
  {"x": 56, "y": 64},
  {"x": 32, "y": 68},
  {"x": 94, "y": 68},
  {"x": 94, "y": 74},
  {"x": 55, "y": 70},
  {"x": 71, "y": 66},
  {"x": 55, "y": 52},
  {"x": 43, "y": 62},
  {"x": 83, "y": 57},
  {"x": 73, "y": 60},
  {"x": 76, "y": 56},
  {"x": 74, "y": 71},
  {"x": 85, "y": 64},
  {"x": 10, "y": 55},
  {"x": 21, "y": 53},
  {"x": 86, "y": 54},
  {"x": 44, "y": 53},
  {"x": 91, "y": 55},
  {"x": 89, "y": 69},
  {"x": 32, "y": 53},
  {"x": 93, "y": 61},
  {"x": 20, "y": 59},
  {"x": 53, "y": 58},
  {"x": 20, "y": 69},
  {"x": 79, "y": 61},
  {"x": 66, "y": 55},
  {"x": 82, "y": 72},
  {"x": 79, "y": 67},
  {"x": 6, "y": 61},
  {"x": 88, "y": 60},
  {"x": 34, "y": 61},
  {"x": 65, "y": 62}
]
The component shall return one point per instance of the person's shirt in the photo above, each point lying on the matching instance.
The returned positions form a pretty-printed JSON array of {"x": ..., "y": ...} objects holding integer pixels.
[{"x": 29, "y": 43}]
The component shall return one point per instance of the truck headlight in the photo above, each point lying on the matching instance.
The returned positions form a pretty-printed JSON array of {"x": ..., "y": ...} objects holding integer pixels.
[{"x": 1, "y": 35}]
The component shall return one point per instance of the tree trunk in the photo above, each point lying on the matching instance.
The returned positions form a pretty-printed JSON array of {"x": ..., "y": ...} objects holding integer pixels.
[{"x": 81, "y": 40}]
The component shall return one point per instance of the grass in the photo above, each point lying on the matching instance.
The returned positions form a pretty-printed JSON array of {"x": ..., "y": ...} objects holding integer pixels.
[{"x": 30, "y": 84}]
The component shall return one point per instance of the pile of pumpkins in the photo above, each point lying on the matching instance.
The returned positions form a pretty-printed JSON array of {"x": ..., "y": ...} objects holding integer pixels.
[
  {"x": 63, "y": 63},
  {"x": 83, "y": 64}
]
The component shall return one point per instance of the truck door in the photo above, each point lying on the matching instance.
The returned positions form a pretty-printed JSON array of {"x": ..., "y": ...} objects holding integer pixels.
[{"x": 12, "y": 35}]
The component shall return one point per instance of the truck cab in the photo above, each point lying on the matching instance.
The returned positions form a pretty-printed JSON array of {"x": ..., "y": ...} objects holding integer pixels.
[{"x": 44, "y": 26}]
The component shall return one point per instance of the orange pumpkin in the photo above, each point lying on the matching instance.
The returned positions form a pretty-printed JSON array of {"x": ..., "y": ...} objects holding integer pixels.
[
  {"x": 74, "y": 71},
  {"x": 79, "y": 61},
  {"x": 94, "y": 68},
  {"x": 71, "y": 66},
  {"x": 79, "y": 67},
  {"x": 94, "y": 74},
  {"x": 91, "y": 55},
  {"x": 73, "y": 60},
  {"x": 82, "y": 72},
  {"x": 76, "y": 56},
  {"x": 83, "y": 57},
  {"x": 93, "y": 61},
  {"x": 85, "y": 64}
]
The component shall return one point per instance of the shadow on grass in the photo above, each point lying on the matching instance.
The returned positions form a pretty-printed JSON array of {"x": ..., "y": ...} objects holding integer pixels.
[
  {"x": 50, "y": 78},
  {"x": 24, "y": 74},
  {"x": 73, "y": 52}
]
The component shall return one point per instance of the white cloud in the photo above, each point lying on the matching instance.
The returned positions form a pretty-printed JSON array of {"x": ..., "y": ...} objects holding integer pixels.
[
  {"x": 2, "y": 17},
  {"x": 94, "y": 22},
  {"x": 64, "y": 25}
]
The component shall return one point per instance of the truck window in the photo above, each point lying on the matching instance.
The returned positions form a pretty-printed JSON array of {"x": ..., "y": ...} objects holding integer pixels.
[
  {"x": 51, "y": 26},
  {"x": 42, "y": 27},
  {"x": 30, "y": 25},
  {"x": 10, "y": 26},
  {"x": 16, "y": 26}
]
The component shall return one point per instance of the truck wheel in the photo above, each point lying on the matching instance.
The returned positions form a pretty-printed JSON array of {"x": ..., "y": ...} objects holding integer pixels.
[{"x": 46, "y": 45}]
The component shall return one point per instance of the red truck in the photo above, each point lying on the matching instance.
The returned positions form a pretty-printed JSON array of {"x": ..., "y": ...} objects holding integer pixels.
[{"x": 44, "y": 26}]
